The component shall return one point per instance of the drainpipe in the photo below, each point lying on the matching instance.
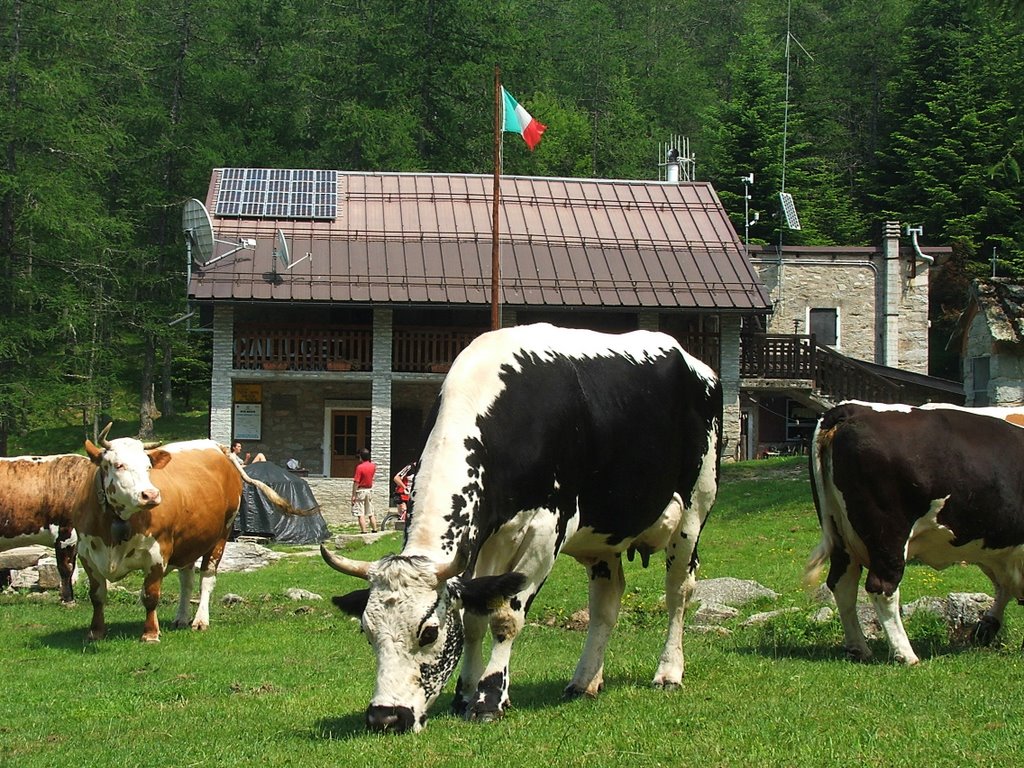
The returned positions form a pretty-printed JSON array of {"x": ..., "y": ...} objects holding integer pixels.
[{"x": 913, "y": 232}]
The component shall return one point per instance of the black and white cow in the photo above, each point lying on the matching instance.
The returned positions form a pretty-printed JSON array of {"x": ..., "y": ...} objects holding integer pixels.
[
  {"x": 544, "y": 440},
  {"x": 940, "y": 484}
]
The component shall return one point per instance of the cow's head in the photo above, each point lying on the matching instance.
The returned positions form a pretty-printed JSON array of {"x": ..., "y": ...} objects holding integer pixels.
[
  {"x": 123, "y": 473},
  {"x": 411, "y": 615}
]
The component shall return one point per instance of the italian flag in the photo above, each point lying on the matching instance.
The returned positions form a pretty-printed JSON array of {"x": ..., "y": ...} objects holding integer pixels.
[{"x": 518, "y": 120}]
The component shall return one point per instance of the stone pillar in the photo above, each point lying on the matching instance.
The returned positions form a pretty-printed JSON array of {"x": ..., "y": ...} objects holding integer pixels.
[
  {"x": 220, "y": 382},
  {"x": 730, "y": 378},
  {"x": 380, "y": 408},
  {"x": 891, "y": 291}
]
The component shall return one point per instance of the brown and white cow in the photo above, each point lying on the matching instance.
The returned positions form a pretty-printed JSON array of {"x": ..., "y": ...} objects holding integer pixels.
[
  {"x": 157, "y": 510},
  {"x": 37, "y": 501},
  {"x": 940, "y": 484}
]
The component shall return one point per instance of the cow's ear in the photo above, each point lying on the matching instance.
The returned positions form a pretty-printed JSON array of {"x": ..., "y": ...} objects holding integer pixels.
[
  {"x": 354, "y": 603},
  {"x": 159, "y": 458},
  {"x": 486, "y": 594}
]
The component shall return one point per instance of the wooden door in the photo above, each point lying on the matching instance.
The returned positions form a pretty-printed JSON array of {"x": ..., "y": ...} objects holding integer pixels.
[{"x": 350, "y": 433}]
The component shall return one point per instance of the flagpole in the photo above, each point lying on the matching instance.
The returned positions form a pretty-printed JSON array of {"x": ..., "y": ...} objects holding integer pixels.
[{"x": 495, "y": 249}]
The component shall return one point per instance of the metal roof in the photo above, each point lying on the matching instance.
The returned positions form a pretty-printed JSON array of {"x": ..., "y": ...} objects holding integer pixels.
[{"x": 426, "y": 239}]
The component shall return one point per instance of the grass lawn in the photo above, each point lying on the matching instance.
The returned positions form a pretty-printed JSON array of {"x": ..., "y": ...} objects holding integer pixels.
[{"x": 279, "y": 683}]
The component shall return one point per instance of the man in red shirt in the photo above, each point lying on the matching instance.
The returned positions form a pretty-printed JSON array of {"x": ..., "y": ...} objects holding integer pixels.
[{"x": 362, "y": 491}]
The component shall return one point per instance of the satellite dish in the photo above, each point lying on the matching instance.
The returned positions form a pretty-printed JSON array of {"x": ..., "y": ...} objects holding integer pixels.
[
  {"x": 281, "y": 250},
  {"x": 198, "y": 226},
  {"x": 789, "y": 210}
]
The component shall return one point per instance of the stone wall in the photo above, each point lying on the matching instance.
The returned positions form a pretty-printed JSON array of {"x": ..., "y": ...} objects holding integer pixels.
[
  {"x": 854, "y": 282},
  {"x": 1006, "y": 367}
]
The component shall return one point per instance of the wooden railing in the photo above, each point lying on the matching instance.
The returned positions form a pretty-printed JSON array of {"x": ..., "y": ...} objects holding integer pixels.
[
  {"x": 834, "y": 376},
  {"x": 349, "y": 348},
  {"x": 777, "y": 356},
  {"x": 429, "y": 350},
  {"x": 299, "y": 348},
  {"x": 840, "y": 378}
]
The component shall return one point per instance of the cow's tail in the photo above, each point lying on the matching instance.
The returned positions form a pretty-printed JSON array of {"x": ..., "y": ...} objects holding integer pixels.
[
  {"x": 271, "y": 495},
  {"x": 821, "y": 481}
]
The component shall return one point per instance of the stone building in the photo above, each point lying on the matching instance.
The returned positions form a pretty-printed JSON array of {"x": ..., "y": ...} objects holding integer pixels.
[
  {"x": 338, "y": 300},
  {"x": 992, "y": 343},
  {"x": 857, "y": 318}
]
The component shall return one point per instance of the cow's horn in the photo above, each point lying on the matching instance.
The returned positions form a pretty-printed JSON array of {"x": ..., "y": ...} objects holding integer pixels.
[
  {"x": 349, "y": 567},
  {"x": 452, "y": 568},
  {"x": 103, "y": 435},
  {"x": 152, "y": 444}
]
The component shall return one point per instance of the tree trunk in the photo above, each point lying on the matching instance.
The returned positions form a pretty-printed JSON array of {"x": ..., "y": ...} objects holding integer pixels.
[
  {"x": 147, "y": 397},
  {"x": 167, "y": 393}
]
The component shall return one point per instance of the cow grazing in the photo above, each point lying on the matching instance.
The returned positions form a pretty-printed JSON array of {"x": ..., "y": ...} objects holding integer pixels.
[
  {"x": 155, "y": 511},
  {"x": 940, "y": 484},
  {"x": 37, "y": 501},
  {"x": 543, "y": 440}
]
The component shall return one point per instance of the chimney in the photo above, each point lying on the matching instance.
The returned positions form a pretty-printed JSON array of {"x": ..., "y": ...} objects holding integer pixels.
[{"x": 892, "y": 283}]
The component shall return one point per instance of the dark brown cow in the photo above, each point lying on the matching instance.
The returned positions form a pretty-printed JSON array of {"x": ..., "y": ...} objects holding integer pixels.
[
  {"x": 156, "y": 511},
  {"x": 37, "y": 500},
  {"x": 939, "y": 484}
]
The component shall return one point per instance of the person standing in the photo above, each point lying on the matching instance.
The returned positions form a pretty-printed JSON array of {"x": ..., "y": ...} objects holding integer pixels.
[
  {"x": 362, "y": 491},
  {"x": 403, "y": 488}
]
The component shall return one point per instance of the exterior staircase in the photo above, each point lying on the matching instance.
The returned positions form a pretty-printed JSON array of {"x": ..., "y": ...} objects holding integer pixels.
[{"x": 818, "y": 377}]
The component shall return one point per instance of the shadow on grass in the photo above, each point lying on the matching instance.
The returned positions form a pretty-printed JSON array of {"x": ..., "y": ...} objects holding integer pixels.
[
  {"x": 73, "y": 639},
  {"x": 526, "y": 697},
  {"x": 881, "y": 654}
]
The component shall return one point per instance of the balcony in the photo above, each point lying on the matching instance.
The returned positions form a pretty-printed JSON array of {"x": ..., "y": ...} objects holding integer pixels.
[
  {"x": 300, "y": 348},
  {"x": 818, "y": 375}
]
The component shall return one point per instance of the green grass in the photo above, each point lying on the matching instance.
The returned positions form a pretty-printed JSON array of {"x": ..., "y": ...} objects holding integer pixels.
[
  {"x": 70, "y": 438},
  {"x": 277, "y": 683}
]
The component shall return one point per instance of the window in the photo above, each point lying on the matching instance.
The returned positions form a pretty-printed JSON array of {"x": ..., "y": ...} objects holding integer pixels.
[
  {"x": 824, "y": 325},
  {"x": 980, "y": 375}
]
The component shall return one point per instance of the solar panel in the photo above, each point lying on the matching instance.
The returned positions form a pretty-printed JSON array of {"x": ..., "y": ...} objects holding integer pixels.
[
  {"x": 789, "y": 210},
  {"x": 277, "y": 193}
]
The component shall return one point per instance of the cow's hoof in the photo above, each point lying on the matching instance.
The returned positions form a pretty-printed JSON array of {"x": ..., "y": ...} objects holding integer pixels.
[
  {"x": 68, "y": 603},
  {"x": 572, "y": 692},
  {"x": 200, "y": 626},
  {"x": 985, "y": 631},
  {"x": 93, "y": 637},
  {"x": 857, "y": 654},
  {"x": 150, "y": 639},
  {"x": 666, "y": 685},
  {"x": 907, "y": 661}
]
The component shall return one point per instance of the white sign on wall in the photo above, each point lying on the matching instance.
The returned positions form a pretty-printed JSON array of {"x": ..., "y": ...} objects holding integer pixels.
[{"x": 248, "y": 420}]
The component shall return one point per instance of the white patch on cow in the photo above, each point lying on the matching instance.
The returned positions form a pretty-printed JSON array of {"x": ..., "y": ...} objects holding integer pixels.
[
  {"x": 392, "y": 633},
  {"x": 191, "y": 445},
  {"x": 71, "y": 541},
  {"x": 139, "y": 553},
  {"x": 930, "y": 541},
  {"x": 207, "y": 581},
  {"x": 124, "y": 473},
  {"x": 880, "y": 407},
  {"x": 1010, "y": 414},
  {"x": 46, "y": 536},
  {"x": 932, "y": 544}
]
